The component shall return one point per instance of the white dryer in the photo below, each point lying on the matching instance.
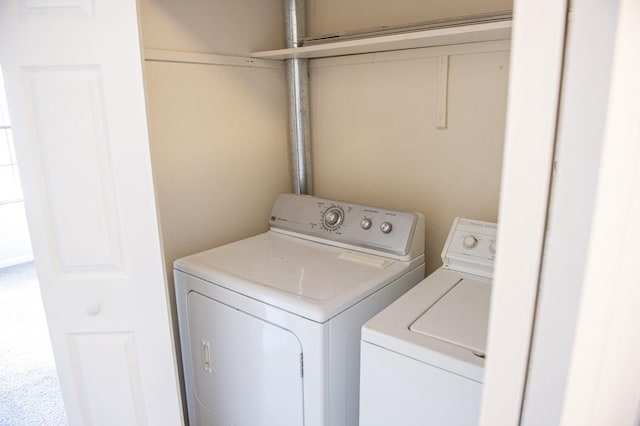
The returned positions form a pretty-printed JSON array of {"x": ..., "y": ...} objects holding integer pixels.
[
  {"x": 422, "y": 358},
  {"x": 270, "y": 325}
]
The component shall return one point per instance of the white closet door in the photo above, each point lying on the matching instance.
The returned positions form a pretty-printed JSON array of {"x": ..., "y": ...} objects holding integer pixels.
[
  {"x": 246, "y": 371},
  {"x": 73, "y": 74}
]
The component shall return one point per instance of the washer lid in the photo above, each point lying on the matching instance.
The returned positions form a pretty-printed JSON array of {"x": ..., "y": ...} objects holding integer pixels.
[
  {"x": 460, "y": 317},
  {"x": 391, "y": 328},
  {"x": 313, "y": 280}
]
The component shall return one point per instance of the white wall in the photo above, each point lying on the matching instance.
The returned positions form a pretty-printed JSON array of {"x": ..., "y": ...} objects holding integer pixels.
[
  {"x": 375, "y": 141},
  {"x": 15, "y": 246}
]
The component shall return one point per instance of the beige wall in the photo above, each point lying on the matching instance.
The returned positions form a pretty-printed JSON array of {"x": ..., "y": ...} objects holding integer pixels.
[
  {"x": 218, "y": 140},
  {"x": 218, "y": 131},
  {"x": 330, "y": 16},
  {"x": 224, "y": 27},
  {"x": 375, "y": 137}
]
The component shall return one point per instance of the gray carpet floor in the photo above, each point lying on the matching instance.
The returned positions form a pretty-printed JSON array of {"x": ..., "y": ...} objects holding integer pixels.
[{"x": 29, "y": 386}]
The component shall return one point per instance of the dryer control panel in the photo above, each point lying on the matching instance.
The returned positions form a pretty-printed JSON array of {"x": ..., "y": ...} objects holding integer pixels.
[
  {"x": 363, "y": 228},
  {"x": 471, "y": 247}
]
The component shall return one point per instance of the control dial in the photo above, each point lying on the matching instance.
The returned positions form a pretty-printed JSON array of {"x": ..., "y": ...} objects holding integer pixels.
[
  {"x": 332, "y": 218},
  {"x": 470, "y": 242},
  {"x": 365, "y": 223},
  {"x": 386, "y": 227}
]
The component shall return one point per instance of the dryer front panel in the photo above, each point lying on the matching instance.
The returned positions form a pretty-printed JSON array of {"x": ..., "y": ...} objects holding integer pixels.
[{"x": 246, "y": 371}]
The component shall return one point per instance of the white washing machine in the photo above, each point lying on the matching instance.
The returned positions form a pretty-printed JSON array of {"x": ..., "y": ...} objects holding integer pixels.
[
  {"x": 422, "y": 358},
  {"x": 270, "y": 325}
]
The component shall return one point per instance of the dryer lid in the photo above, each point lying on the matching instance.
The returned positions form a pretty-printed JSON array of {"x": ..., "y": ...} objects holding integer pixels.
[
  {"x": 460, "y": 317},
  {"x": 313, "y": 280}
]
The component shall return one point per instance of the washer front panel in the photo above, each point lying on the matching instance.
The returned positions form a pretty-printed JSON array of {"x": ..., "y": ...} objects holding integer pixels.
[{"x": 408, "y": 392}]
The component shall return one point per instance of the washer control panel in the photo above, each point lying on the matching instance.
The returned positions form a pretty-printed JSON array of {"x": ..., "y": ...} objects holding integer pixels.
[
  {"x": 471, "y": 247},
  {"x": 344, "y": 223}
]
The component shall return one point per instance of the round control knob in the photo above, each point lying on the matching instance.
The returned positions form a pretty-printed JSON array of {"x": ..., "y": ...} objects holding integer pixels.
[
  {"x": 365, "y": 223},
  {"x": 386, "y": 227},
  {"x": 492, "y": 247},
  {"x": 333, "y": 218},
  {"x": 470, "y": 242}
]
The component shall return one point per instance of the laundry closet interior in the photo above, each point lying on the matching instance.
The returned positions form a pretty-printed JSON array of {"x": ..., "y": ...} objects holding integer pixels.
[
  {"x": 219, "y": 118},
  {"x": 417, "y": 129}
]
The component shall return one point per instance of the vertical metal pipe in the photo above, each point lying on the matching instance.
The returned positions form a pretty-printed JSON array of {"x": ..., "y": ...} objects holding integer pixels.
[{"x": 298, "y": 92}]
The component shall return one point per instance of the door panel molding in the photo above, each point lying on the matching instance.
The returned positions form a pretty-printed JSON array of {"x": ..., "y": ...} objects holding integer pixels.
[
  {"x": 70, "y": 126},
  {"x": 118, "y": 351}
]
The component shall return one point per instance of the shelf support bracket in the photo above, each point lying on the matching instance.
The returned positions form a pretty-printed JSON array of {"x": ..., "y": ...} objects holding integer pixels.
[{"x": 442, "y": 92}]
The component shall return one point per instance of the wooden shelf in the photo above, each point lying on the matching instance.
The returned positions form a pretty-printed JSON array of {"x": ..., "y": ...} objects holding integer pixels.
[{"x": 412, "y": 40}]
